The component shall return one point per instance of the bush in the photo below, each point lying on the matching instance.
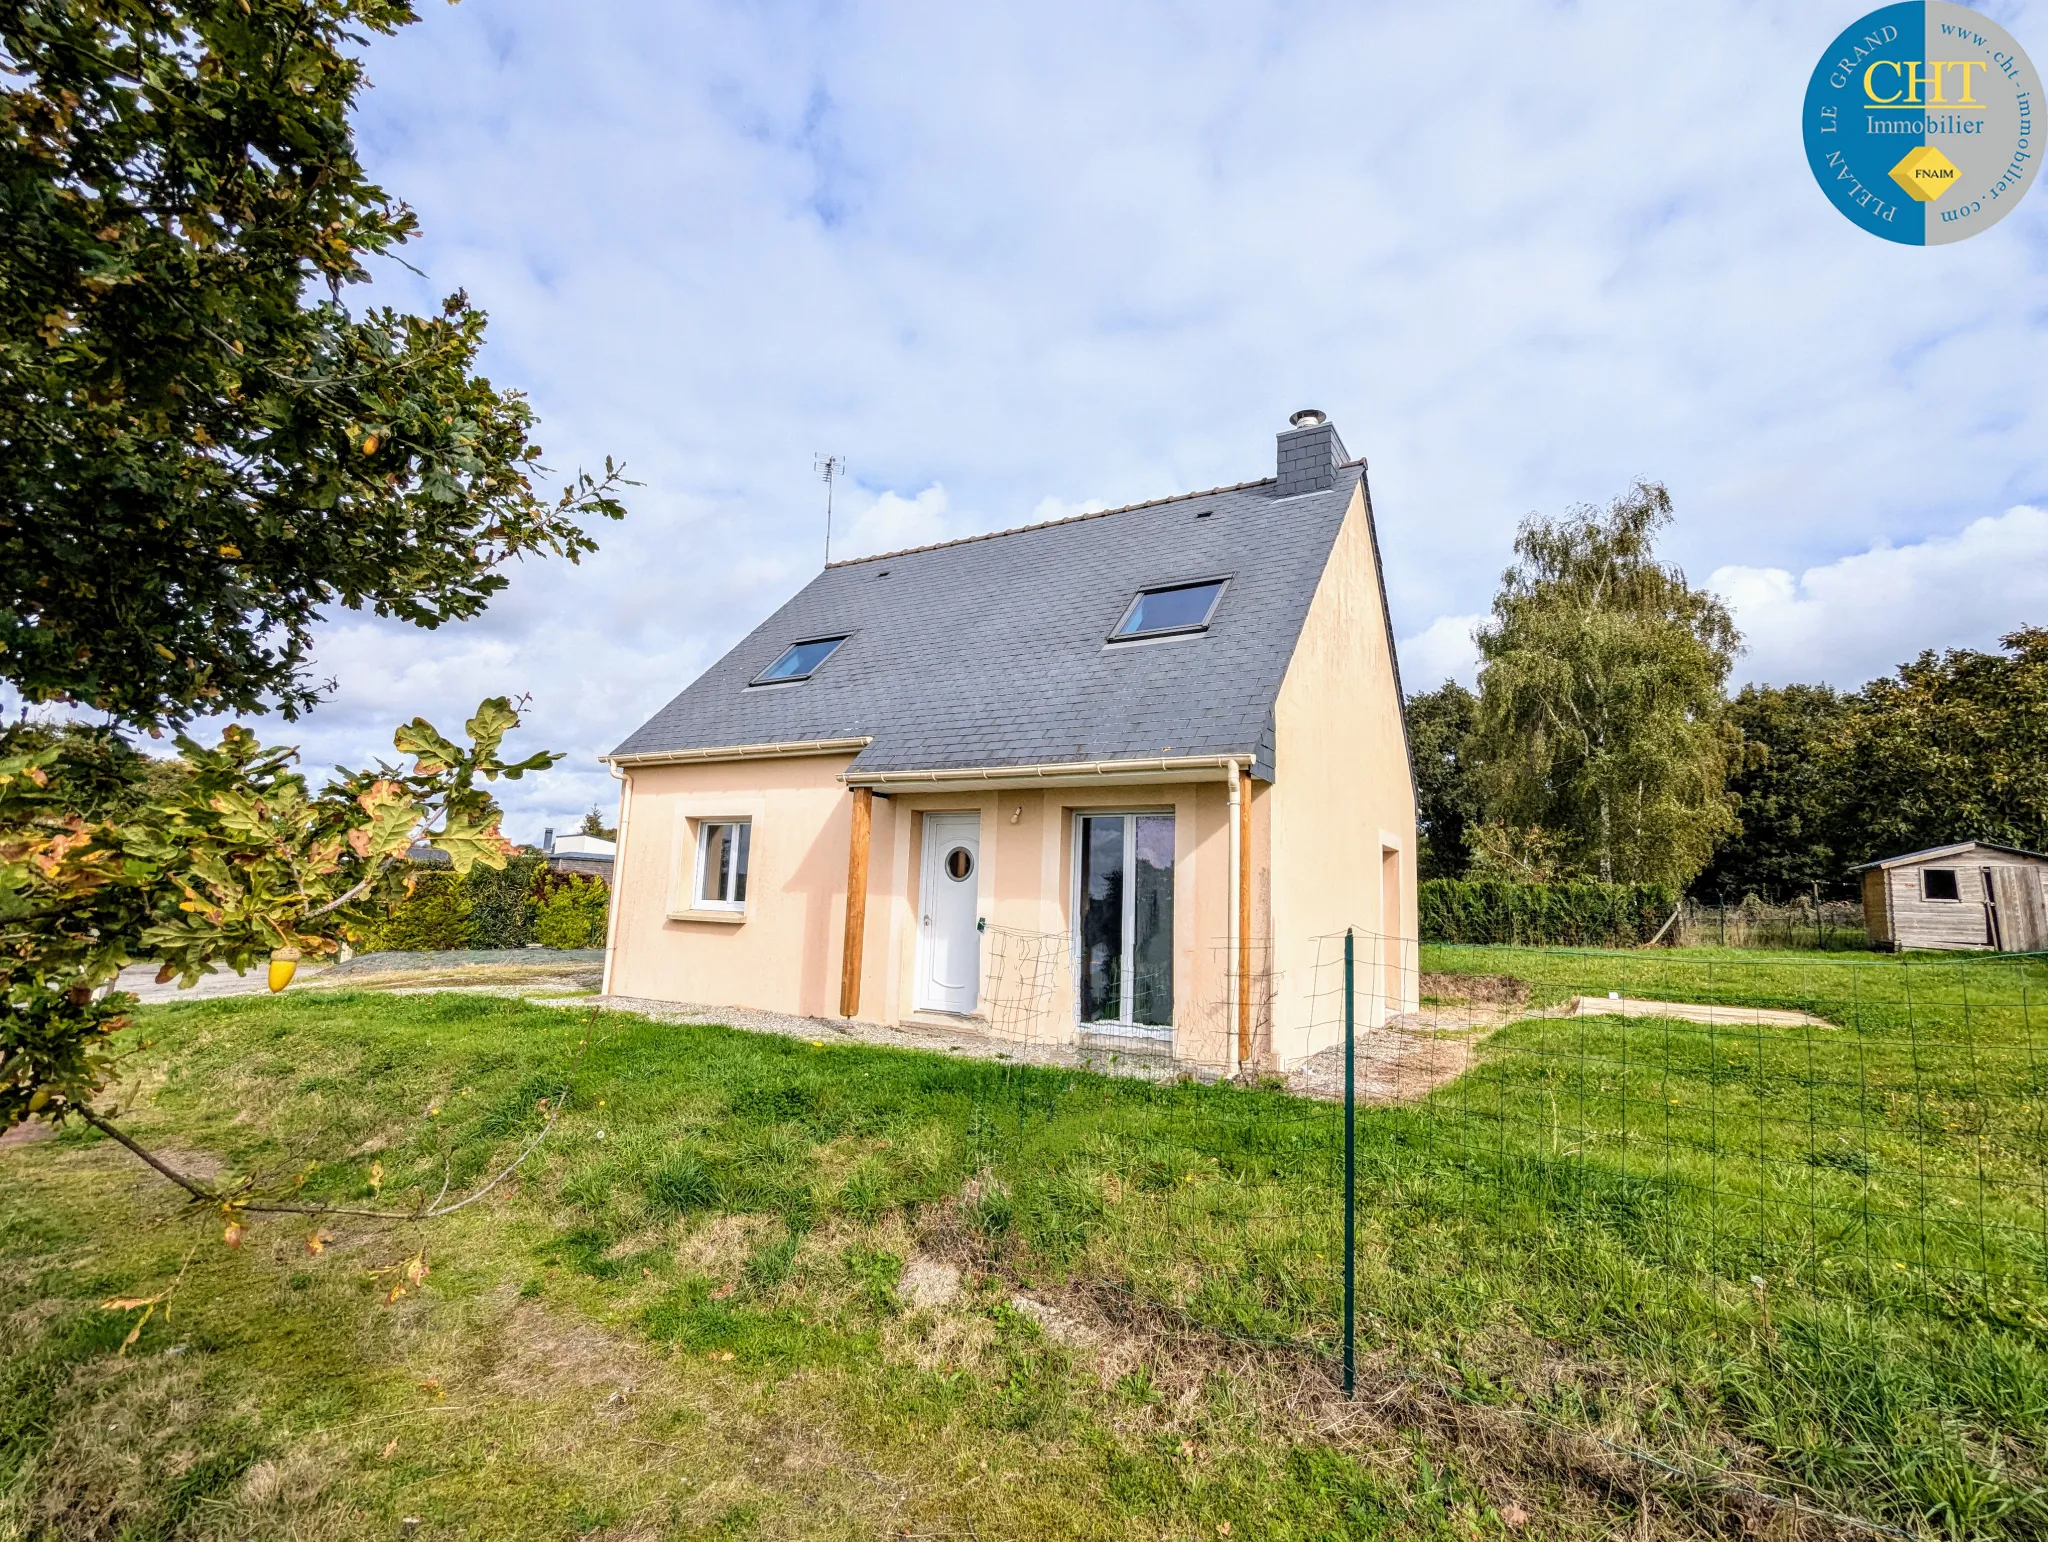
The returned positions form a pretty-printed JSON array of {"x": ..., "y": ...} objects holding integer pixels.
[
  {"x": 492, "y": 908},
  {"x": 572, "y": 914},
  {"x": 434, "y": 916},
  {"x": 1488, "y": 910},
  {"x": 503, "y": 903}
]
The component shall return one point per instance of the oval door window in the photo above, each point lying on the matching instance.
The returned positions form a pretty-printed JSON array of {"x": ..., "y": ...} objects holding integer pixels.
[{"x": 959, "y": 863}]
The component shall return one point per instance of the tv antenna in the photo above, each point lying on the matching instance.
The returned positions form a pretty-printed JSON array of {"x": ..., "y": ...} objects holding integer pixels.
[{"x": 830, "y": 468}]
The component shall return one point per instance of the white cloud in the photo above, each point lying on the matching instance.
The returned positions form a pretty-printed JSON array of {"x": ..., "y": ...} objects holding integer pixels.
[
  {"x": 992, "y": 251},
  {"x": 1048, "y": 509},
  {"x": 892, "y": 522},
  {"x": 1841, "y": 622},
  {"x": 1860, "y": 616},
  {"x": 1441, "y": 651}
]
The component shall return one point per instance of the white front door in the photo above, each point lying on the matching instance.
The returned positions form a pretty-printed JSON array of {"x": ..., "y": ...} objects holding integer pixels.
[{"x": 949, "y": 936}]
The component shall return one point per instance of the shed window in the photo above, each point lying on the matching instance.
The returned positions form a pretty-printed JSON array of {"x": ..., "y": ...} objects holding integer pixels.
[
  {"x": 722, "y": 864},
  {"x": 1180, "y": 608},
  {"x": 799, "y": 661},
  {"x": 1939, "y": 883}
]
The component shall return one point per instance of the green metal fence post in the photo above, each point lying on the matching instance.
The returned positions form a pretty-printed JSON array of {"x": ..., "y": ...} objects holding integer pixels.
[{"x": 1350, "y": 1177}]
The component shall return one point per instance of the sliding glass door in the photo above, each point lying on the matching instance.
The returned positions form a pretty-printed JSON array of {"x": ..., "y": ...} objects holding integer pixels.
[{"x": 1124, "y": 921}]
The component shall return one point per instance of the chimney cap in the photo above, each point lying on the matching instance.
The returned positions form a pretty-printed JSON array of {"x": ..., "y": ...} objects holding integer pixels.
[{"x": 1308, "y": 417}]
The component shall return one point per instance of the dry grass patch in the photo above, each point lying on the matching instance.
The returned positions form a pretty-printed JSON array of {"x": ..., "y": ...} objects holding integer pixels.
[
  {"x": 1500, "y": 990},
  {"x": 1206, "y": 1395},
  {"x": 536, "y": 1354},
  {"x": 123, "y": 1446},
  {"x": 720, "y": 1245},
  {"x": 283, "y": 1401}
]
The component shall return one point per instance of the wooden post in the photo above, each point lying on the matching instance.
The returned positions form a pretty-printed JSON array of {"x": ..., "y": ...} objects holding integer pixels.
[
  {"x": 1244, "y": 915},
  {"x": 856, "y": 902}
]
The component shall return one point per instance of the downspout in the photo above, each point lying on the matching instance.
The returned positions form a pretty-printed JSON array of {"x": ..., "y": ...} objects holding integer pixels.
[
  {"x": 1244, "y": 917},
  {"x": 611, "y": 927},
  {"x": 1230, "y": 904}
]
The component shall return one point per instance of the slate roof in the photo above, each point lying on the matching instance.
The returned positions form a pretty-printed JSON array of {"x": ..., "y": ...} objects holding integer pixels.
[{"x": 992, "y": 651}]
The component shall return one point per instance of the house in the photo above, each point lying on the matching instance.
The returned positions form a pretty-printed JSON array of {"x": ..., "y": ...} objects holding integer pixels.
[
  {"x": 1118, "y": 780},
  {"x": 588, "y": 856},
  {"x": 1968, "y": 895}
]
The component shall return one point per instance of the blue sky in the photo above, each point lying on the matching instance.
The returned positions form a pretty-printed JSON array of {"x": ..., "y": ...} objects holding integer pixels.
[{"x": 1013, "y": 261}]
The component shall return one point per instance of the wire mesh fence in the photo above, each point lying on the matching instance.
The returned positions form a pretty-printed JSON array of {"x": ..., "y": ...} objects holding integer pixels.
[
  {"x": 1827, "y": 925},
  {"x": 1803, "y": 1170},
  {"x": 1848, "y": 1127},
  {"x": 1829, "y": 1122}
]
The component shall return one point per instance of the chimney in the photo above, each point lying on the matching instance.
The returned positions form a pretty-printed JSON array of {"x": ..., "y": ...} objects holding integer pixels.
[
  {"x": 547, "y": 840},
  {"x": 1310, "y": 453}
]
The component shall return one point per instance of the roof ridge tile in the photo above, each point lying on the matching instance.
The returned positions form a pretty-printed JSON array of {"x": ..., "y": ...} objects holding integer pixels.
[{"x": 1048, "y": 524}]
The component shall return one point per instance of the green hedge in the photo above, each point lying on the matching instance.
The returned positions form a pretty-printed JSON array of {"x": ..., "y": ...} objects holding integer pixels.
[
  {"x": 436, "y": 915},
  {"x": 502, "y": 902},
  {"x": 572, "y": 915},
  {"x": 1557, "y": 915},
  {"x": 505, "y": 907}
]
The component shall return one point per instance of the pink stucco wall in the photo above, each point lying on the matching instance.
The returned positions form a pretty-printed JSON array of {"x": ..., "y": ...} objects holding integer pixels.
[{"x": 783, "y": 953}]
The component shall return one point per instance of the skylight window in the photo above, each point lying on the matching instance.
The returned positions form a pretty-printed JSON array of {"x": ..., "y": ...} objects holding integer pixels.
[
  {"x": 1180, "y": 608},
  {"x": 799, "y": 661}
]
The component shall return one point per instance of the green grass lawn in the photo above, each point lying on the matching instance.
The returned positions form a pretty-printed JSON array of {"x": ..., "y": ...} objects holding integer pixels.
[
  {"x": 704, "y": 1308},
  {"x": 1838, "y": 984},
  {"x": 1905, "y": 1132}
]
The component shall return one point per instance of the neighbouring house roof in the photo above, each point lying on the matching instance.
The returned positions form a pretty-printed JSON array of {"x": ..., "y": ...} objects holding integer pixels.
[
  {"x": 1935, "y": 853},
  {"x": 993, "y": 651}
]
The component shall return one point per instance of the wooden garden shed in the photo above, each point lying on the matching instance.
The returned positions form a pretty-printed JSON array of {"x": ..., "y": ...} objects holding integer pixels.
[{"x": 1968, "y": 895}]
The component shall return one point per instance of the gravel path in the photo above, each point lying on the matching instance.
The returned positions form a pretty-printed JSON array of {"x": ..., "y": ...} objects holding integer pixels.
[
  {"x": 1400, "y": 1063},
  {"x": 461, "y": 958},
  {"x": 970, "y": 1040},
  {"x": 1395, "y": 1064},
  {"x": 515, "y": 971},
  {"x": 141, "y": 979}
]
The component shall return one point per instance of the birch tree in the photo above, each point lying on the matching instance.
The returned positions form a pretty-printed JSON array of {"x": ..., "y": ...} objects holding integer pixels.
[{"x": 1602, "y": 716}]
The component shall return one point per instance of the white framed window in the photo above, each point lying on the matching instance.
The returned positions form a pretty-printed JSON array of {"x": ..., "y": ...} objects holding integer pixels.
[
  {"x": 720, "y": 881},
  {"x": 1123, "y": 921}
]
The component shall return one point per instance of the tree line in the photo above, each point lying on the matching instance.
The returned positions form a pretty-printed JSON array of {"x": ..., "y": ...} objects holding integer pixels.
[{"x": 1602, "y": 741}]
